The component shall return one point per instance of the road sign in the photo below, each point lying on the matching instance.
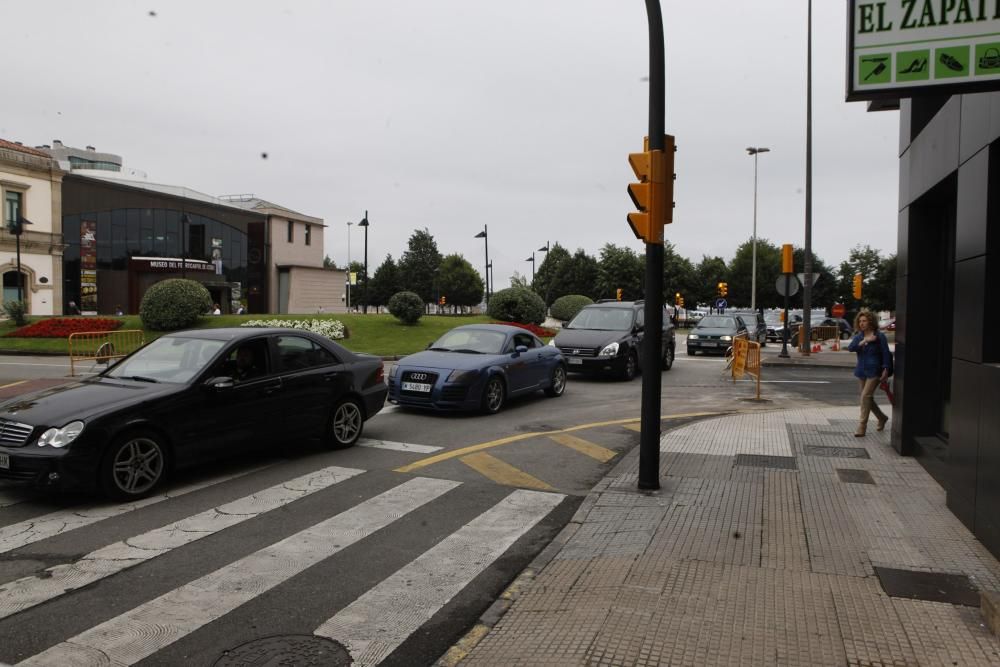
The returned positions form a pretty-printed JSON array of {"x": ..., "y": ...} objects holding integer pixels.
[
  {"x": 802, "y": 279},
  {"x": 721, "y": 304},
  {"x": 793, "y": 286},
  {"x": 838, "y": 310}
]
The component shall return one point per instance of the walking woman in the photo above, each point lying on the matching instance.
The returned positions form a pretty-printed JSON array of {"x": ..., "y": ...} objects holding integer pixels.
[{"x": 872, "y": 349}]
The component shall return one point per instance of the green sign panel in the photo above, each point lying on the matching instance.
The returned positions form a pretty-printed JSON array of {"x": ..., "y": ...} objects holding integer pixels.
[{"x": 902, "y": 48}]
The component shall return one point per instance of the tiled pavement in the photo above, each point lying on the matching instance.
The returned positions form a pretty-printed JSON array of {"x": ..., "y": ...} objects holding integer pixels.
[{"x": 760, "y": 549}]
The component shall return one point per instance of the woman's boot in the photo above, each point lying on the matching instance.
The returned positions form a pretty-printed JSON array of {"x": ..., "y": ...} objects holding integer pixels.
[
  {"x": 860, "y": 433},
  {"x": 866, "y": 407}
]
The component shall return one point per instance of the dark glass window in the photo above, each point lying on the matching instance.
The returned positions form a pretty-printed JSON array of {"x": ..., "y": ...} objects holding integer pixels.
[
  {"x": 308, "y": 234},
  {"x": 196, "y": 238},
  {"x": 172, "y": 235},
  {"x": 291, "y": 231},
  {"x": 12, "y": 206}
]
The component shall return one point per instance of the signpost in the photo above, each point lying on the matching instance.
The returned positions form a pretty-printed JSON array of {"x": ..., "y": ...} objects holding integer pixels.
[{"x": 907, "y": 48}]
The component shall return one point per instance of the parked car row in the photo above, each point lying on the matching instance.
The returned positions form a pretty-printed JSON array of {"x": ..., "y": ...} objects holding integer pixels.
[{"x": 192, "y": 396}]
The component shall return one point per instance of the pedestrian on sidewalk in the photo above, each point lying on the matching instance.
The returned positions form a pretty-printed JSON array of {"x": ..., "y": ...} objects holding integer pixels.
[{"x": 872, "y": 368}]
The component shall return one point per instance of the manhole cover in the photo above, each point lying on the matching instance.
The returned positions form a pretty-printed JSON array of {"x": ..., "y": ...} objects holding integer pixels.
[
  {"x": 853, "y": 476},
  {"x": 762, "y": 461},
  {"x": 836, "y": 452},
  {"x": 287, "y": 651},
  {"x": 930, "y": 586}
]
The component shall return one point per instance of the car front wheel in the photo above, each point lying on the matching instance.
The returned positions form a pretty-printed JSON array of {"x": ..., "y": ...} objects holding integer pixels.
[
  {"x": 134, "y": 466},
  {"x": 494, "y": 395},
  {"x": 631, "y": 367},
  {"x": 557, "y": 383},
  {"x": 668, "y": 358},
  {"x": 346, "y": 423}
]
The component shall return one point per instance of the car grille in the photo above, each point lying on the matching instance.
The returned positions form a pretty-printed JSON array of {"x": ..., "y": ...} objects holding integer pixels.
[
  {"x": 14, "y": 434},
  {"x": 422, "y": 377},
  {"x": 454, "y": 393},
  {"x": 579, "y": 351}
]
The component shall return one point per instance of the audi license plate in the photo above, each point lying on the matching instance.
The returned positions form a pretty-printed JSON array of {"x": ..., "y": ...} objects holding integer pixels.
[
  {"x": 573, "y": 361},
  {"x": 5, "y": 461},
  {"x": 416, "y": 386}
]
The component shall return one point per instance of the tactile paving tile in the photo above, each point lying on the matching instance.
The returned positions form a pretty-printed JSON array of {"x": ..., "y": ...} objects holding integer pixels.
[
  {"x": 701, "y": 466},
  {"x": 872, "y": 632},
  {"x": 944, "y": 634},
  {"x": 783, "y": 542}
]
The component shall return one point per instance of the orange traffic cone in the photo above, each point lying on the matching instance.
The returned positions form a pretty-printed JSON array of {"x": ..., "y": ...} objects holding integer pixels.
[
  {"x": 836, "y": 344},
  {"x": 817, "y": 348}
]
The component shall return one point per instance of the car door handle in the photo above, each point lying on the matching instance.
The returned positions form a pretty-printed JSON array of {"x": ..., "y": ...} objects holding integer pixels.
[
  {"x": 329, "y": 377},
  {"x": 272, "y": 388}
]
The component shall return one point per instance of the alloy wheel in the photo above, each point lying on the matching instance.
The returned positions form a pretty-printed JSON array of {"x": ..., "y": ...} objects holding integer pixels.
[{"x": 137, "y": 466}]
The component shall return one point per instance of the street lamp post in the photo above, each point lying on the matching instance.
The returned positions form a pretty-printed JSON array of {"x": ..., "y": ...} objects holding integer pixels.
[
  {"x": 808, "y": 260},
  {"x": 753, "y": 280},
  {"x": 484, "y": 235},
  {"x": 364, "y": 302},
  {"x": 16, "y": 227},
  {"x": 532, "y": 260},
  {"x": 349, "y": 266},
  {"x": 489, "y": 274}
]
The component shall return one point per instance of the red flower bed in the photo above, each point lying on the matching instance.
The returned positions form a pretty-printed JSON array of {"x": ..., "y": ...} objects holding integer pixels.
[
  {"x": 541, "y": 332},
  {"x": 62, "y": 327}
]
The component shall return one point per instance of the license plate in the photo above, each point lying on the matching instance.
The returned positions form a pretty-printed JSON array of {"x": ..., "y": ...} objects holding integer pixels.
[
  {"x": 575, "y": 362},
  {"x": 709, "y": 344},
  {"x": 5, "y": 461},
  {"x": 416, "y": 386}
]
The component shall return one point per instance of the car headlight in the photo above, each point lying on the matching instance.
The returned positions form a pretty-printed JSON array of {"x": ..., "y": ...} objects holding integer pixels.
[
  {"x": 60, "y": 437},
  {"x": 610, "y": 350},
  {"x": 692, "y": 336},
  {"x": 462, "y": 376},
  {"x": 552, "y": 342},
  {"x": 394, "y": 370},
  {"x": 725, "y": 337}
]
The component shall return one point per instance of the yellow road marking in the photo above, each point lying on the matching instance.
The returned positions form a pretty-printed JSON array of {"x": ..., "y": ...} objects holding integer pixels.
[
  {"x": 502, "y": 473},
  {"x": 456, "y": 453},
  {"x": 634, "y": 427},
  {"x": 459, "y": 651},
  {"x": 12, "y": 384},
  {"x": 584, "y": 446}
]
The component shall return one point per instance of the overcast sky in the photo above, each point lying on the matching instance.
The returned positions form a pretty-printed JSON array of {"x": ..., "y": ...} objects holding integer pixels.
[{"x": 455, "y": 114}]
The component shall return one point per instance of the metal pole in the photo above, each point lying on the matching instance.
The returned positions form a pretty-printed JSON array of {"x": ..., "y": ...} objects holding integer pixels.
[
  {"x": 807, "y": 283},
  {"x": 753, "y": 279},
  {"x": 20, "y": 278},
  {"x": 365, "y": 306},
  {"x": 486, "y": 243},
  {"x": 784, "y": 332},
  {"x": 649, "y": 435},
  {"x": 349, "y": 266}
]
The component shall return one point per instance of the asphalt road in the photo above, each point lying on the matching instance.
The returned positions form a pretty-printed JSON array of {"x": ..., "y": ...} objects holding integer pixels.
[{"x": 393, "y": 548}]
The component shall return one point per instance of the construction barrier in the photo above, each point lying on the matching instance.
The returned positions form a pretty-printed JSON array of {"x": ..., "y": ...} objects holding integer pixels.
[
  {"x": 746, "y": 360},
  {"x": 103, "y": 346},
  {"x": 818, "y": 335}
]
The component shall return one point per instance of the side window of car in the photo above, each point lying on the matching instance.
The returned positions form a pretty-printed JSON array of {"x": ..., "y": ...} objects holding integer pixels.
[
  {"x": 640, "y": 318},
  {"x": 297, "y": 353},
  {"x": 525, "y": 340}
]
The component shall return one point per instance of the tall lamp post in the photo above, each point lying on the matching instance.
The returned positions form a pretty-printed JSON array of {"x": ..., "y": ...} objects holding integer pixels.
[
  {"x": 484, "y": 235},
  {"x": 807, "y": 263},
  {"x": 489, "y": 274},
  {"x": 364, "y": 302},
  {"x": 753, "y": 281},
  {"x": 532, "y": 260},
  {"x": 16, "y": 227},
  {"x": 349, "y": 266}
]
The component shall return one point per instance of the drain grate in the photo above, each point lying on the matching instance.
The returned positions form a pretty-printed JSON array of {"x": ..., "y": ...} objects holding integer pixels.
[
  {"x": 763, "y": 461},
  {"x": 298, "y": 650},
  {"x": 836, "y": 452},
  {"x": 855, "y": 476},
  {"x": 929, "y": 586}
]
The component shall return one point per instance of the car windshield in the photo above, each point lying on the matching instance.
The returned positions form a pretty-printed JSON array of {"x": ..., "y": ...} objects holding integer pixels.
[
  {"x": 167, "y": 359},
  {"x": 478, "y": 341},
  {"x": 606, "y": 319},
  {"x": 772, "y": 319},
  {"x": 717, "y": 322}
]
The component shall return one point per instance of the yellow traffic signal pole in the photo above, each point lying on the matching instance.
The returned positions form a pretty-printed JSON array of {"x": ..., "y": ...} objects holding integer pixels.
[{"x": 652, "y": 340}]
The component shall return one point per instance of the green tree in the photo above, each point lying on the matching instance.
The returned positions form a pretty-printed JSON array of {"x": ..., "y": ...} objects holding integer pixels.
[
  {"x": 385, "y": 283},
  {"x": 419, "y": 263},
  {"x": 548, "y": 277},
  {"x": 740, "y": 271},
  {"x": 825, "y": 288},
  {"x": 519, "y": 281},
  {"x": 882, "y": 288},
  {"x": 620, "y": 268},
  {"x": 328, "y": 263},
  {"x": 579, "y": 276},
  {"x": 710, "y": 272},
  {"x": 460, "y": 282},
  {"x": 678, "y": 276}
]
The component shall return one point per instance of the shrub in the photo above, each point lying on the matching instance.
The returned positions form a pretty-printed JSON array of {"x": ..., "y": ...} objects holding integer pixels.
[
  {"x": 174, "y": 304},
  {"x": 517, "y": 304},
  {"x": 566, "y": 307},
  {"x": 332, "y": 329},
  {"x": 62, "y": 327},
  {"x": 406, "y": 307},
  {"x": 16, "y": 311}
]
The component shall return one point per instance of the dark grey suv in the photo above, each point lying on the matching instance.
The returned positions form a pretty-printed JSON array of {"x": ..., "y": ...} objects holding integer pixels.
[
  {"x": 756, "y": 326},
  {"x": 605, "y": 338}
]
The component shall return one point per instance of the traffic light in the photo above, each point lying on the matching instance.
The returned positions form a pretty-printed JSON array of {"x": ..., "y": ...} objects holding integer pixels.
[
  {"x": 618, "y": 294},
  {"x": 442, "y": 300},
  {"x": 653, "y": 195},
  {"x": 858, "y": 279},
  {"x": 723, "y": 289},
  {"x": 677, "y": 299}
]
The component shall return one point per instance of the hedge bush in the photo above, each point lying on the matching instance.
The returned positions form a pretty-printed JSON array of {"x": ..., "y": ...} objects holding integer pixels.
[
  {"x": 517, "y": 304},
  {"x": 406, "y": 307},
  {"x": 566, "y": 307},
  {"x": 174, "y": 304}
]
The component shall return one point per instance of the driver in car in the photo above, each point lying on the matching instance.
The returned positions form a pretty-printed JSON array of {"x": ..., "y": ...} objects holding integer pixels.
[{"x": 246, "y": 366}]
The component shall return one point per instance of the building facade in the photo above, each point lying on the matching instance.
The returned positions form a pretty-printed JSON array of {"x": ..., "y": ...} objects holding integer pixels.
[
  {"x": 948, "y": 366},
  {"x": 31, "y": 188}
]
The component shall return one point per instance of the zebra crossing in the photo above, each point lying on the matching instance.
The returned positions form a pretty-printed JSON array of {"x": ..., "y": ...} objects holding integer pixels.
[{"x": 365, "y": 558}]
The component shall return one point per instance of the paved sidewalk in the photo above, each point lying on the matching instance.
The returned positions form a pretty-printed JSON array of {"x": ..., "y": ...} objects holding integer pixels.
[{"x": 773, "y": 541}]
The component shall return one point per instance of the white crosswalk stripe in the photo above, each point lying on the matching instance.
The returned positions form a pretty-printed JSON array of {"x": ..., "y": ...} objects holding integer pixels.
[
  {"x": 60, "y": 579},
  {"x": 49, "y": 525},
  {"x": 375, "y": 624},
  {"x": 398, "y": 446},
  {"x": 144, "y": 630}
]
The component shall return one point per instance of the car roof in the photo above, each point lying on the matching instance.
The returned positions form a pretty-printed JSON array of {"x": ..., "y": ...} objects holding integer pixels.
[
  {"x": 614, "y": 304},
  {"x": 232, "y": 333},
  {"x": 499, "y": 328}
]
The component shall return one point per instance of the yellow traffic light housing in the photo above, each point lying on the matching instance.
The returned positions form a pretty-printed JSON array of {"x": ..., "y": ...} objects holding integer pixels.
[
  {"x": 618, "y": 294},
  {"x": 653, "y": 195},
  {"x": 858, "y": 280}
]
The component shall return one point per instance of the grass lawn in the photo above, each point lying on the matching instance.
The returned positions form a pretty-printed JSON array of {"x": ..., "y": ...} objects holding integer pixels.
[{"x": 376, "y": 334}]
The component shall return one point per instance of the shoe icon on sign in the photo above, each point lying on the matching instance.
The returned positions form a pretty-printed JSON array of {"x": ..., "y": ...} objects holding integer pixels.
[
  {"x": 916, "y": 65},
  {"x": 951, "y": 63}
]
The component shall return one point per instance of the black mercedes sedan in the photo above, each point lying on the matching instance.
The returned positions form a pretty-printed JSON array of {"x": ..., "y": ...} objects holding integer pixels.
[{"x": 185, "y": 398}]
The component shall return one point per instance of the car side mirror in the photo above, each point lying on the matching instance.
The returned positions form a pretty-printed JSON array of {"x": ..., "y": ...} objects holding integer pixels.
[
  {"x": 520, "y": 349},
  {"x": 220, "y": 383},
  {"x": 564, "y": 325}
]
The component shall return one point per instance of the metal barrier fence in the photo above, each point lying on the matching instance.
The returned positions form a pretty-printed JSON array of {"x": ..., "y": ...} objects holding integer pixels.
[
  {"x": 817, "y": 334},
  {"x": 103, "y": 346},
  {"x": 746, "y": 360}
]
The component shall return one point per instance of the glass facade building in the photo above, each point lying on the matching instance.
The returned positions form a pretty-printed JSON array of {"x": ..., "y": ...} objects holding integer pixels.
[{"x": 111, "y": 231}]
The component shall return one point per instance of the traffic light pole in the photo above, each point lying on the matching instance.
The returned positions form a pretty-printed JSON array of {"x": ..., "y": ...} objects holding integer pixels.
[{"x": 652, "y": 341}]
